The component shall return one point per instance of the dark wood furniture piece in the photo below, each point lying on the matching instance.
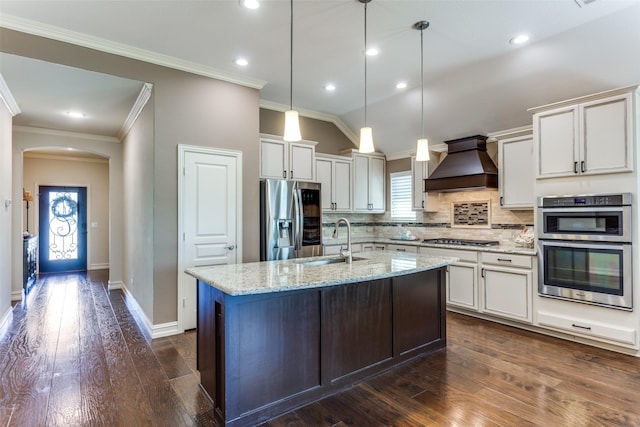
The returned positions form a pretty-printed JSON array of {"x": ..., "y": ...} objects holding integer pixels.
[
  {"x": 263, "y": 355},
  {"x": 29, "y": 262}
]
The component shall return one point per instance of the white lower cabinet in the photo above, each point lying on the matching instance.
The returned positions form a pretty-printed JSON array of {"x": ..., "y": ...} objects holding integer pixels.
[
  {"x": 370, "y": 247},
  {"x": 335, "y": 249},
  {"x": 614, "y": 334},
  {"x": 507, "y": 286},
  {"x": 462, "y": 277},
  {"x": 402, "y": 248}
]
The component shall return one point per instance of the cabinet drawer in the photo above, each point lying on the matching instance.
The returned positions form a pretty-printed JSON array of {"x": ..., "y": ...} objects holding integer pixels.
[
  {"x": 588, "y": 328},
  {"x": 403, "y": 248},
  {"x": 465, "y": 256},
  {"x": 510, "y": 260}
]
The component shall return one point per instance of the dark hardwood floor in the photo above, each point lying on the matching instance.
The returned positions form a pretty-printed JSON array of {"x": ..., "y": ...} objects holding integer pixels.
[{"x": 74, "y": 356}]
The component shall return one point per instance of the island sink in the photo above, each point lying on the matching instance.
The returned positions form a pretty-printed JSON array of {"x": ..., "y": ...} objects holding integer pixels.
[{"x": 325, "y": 261}]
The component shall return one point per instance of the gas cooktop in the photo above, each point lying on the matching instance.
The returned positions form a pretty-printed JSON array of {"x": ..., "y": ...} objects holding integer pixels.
[{"x": 462, "y": 242}]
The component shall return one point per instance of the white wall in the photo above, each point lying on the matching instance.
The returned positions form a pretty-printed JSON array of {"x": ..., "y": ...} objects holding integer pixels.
[
  {"x": 6, "y": 120},
  {"x": 32, "y": 138},
  {"x": 69, "y": 170}
]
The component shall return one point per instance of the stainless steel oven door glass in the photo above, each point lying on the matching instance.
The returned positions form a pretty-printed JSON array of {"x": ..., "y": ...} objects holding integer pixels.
[
  {"x": 586, "y": 218},
  {"x": 595, "y": 273}
]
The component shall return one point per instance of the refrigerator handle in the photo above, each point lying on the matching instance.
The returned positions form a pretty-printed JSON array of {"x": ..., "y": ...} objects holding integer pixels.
[{"x": 297, "y": 198}]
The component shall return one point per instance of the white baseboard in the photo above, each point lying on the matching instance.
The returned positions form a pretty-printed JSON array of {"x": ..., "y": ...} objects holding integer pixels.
[
  {"x": 115, "y": 284},
  {"x": 102, "y": 266},
  {"x": 5, "y": 320},
  {"x": 154, "y": 331},
  {"x": 16, "y": 295}
]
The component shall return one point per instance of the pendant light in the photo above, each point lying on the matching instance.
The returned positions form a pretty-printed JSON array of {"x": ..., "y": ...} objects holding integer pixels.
[
  {"x": 291, "y": 122},
  {"x": 422, "y": 149},
  {"x": 366, "y": 135}
]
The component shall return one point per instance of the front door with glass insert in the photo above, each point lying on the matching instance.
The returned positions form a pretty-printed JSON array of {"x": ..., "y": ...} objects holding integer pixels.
[{"x": 63, "y": 229}]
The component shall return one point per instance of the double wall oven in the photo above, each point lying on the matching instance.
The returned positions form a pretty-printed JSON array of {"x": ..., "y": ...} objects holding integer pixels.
[{"x": 585, "y": 249}]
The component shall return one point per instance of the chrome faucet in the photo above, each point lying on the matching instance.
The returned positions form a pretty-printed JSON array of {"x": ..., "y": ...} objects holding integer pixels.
[{"x": 345, "y": 253}]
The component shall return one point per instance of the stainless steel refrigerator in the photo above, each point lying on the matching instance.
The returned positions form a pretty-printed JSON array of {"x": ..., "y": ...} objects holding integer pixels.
[{"x": 290, "y": 219}]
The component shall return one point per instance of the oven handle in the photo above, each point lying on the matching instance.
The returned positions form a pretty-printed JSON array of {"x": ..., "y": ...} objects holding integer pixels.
[
  {"x": 626, "y": 209},
  {"x": 585, "y": 244}
]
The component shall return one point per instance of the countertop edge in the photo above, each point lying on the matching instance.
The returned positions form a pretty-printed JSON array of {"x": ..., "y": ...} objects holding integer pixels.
[{"x": 231, "y": 291}]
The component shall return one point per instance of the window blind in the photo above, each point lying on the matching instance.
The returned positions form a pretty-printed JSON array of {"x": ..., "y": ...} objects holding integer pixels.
[{"x": 401, "y": 192}]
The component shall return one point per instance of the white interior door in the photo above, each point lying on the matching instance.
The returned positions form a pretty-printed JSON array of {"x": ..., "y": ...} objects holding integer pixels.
[{"x": 211, "y": 218}]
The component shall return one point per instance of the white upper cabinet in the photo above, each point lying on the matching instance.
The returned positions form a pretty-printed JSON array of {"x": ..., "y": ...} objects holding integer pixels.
[
  {"x": 369, "y": 181},
  {"x": 422, "y": 201},
  {"x": 586, "y": 136},
  {"x": 515, "y": 168},
  {"x": 334, "y": 173},
  {"x": 287, "y": 160}
]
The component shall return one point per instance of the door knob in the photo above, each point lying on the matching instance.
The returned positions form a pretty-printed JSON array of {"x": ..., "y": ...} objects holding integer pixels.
[{"x": 231, "y": 247}]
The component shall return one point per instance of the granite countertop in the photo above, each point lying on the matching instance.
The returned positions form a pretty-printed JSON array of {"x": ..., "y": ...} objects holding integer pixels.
[
  {"x": 287, "y": 275},
  {"x": 503, "y": 247}
]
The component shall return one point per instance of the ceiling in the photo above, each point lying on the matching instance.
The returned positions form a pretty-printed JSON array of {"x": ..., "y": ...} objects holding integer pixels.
[{"x": 475, "y": 81}]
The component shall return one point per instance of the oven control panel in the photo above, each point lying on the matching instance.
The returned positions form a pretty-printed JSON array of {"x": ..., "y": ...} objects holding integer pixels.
[{"x": 621, "y": 199}]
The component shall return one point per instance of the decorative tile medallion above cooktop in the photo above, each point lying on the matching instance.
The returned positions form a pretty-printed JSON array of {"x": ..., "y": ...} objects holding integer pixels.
[{"x": 471, "y": 214}]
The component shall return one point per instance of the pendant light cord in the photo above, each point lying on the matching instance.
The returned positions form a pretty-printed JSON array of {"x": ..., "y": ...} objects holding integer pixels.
[
  {"x": 422, "y": 79},
  {"x": 291, "y": 59},
  {"x": 365, "y": 65}
]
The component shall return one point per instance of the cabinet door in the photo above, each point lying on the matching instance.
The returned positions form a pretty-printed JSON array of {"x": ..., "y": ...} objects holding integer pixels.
[
  {"x": 515, "y": 174},
  {"x": 376, "y": 184},
  {"x": 273, "y": 158},
  {"x": 360, "y": 183},
  {"x": 462, "y": 284},
  {"x": 421, "y": 201},
  {"x": 324, "y": 175},
  {"x": 606, "y": 134},
  {"x": 301, "y": 162},
  {"x": 418, "y": 175},
  {"x": 556, "y": 133},
  {"x": 342, "y": 186},
  {"x": 508, "y": 293}
]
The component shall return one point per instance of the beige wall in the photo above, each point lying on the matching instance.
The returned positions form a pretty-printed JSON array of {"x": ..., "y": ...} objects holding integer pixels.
[
  {"x": 137, "y": 158},
  {"x": 188, "y": 109},
  {"x": 92, "y": 173},
  {"x": 5, "y": 212},
  {"x": 25, "y": 139},
  {"x": 329, "y": 138}
]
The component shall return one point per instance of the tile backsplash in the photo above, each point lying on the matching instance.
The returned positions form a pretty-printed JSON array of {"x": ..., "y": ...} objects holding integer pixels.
[{"x": 504, "y": 224}]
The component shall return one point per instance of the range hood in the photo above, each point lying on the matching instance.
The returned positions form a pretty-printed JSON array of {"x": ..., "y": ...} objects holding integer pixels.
[{"x": 467, "y": 166}]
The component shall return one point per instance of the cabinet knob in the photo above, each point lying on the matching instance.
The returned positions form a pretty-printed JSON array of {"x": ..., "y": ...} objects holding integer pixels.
[
  {"x": 575, "y": 167},
  {"x": 284, "y": 174},
  {"x": 501, "y": 201},
  {"x": 583, "y": 167},
  {"x": 231, "y": 247},
  {"x": 290, "y": 174}
]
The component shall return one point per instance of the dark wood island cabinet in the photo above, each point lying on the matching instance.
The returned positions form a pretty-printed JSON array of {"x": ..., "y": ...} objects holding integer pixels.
[{"x": 264, "y": 354}]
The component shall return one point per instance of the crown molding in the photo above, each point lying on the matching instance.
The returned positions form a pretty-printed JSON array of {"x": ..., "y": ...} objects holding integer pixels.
[
  {"x": 7, "y": 98},
  {"x": 269, "y": 105},
  {"x": 138, "y": 106},
  {"x": 60, "y": 34},
  {"x": 401, "y": 155},
  {"x": 55, "y": 132},
  {"x": 72, "y": 158}
]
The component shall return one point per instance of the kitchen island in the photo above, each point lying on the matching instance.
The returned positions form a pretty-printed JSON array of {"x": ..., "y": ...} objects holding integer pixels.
[{"x": 276, "y": 335}]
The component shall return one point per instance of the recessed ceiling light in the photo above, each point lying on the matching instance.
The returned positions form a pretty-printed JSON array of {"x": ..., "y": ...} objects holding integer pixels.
[
  {"x": 401, "y": 85},
  {"x": 75, "y": 114},
  {"x": 241, "y": 62},
  {"x": 372, "y": 51},
  {"x": 250, "y": 4},
  {"x": 330, "y": 87},
  {"x": 522, "y": 38}
]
